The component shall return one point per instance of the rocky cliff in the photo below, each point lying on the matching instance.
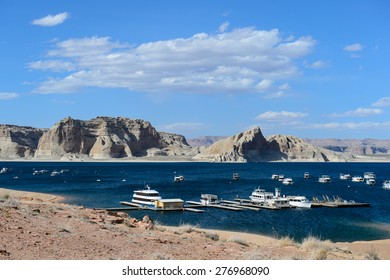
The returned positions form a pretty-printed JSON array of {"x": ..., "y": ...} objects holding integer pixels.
[
  {"x": 251, "y": 146},
  {"x": 18, "y": 141},
  {"x": 105, "y": 138}
]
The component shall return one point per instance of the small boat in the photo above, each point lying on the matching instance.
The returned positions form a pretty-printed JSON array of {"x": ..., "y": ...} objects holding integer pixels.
[
  {"x": 386, "y": 185},
  {"x": 3, "y": 170},
  {"x": 40, "y": 172},
  {"x": 287, "y": 181},
  {"x": 146, "y": 196},
  {"x": 306, "y": 175},
  {"x": 280, "y": 177},
  {"x": 324, "y": 179},
  {"x": 260, "y": 196},
  {"x": 357, "y": 179},
  {"x": 178, "y": 179},
  {"x": 207, "y": 199},
  {"x": 345, "y": 176},
  {"x": 299, "y": 201},
  {"x": 55, "y": 173},
  {"x": 275, "y": 177},
  {"x": 369, "y": 175},
  {"x": 370, "y": 181},
  {"x": 236, "y": 176}
]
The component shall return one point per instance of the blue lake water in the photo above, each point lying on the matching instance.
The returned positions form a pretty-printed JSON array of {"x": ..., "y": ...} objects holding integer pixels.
[{"x": 101, "y": 185}]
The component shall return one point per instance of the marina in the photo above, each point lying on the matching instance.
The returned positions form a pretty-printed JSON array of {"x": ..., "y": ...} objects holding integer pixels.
[{"x": 361, "y": 204}]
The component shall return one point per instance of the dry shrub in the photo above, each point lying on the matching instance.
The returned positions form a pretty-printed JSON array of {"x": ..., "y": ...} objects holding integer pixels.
[
  {"x": 286, "y": 241},
  {"x": 238, "y": 240}
]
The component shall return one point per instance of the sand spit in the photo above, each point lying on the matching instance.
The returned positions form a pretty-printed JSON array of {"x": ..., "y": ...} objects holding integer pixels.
[{"x": 39, "y": 226}]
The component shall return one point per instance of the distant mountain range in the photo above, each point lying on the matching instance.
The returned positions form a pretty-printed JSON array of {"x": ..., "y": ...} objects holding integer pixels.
[{"x": 105, "y": 138}]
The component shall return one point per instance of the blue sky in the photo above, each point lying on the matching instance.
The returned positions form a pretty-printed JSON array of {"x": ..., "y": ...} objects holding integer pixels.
[{"x": 316, "y": 69}]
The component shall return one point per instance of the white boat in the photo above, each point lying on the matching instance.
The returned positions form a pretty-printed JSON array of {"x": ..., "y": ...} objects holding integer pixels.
[
  {"x": 235, "y": 176},
  {"x": 3, "y": 170},
  {"x": 306, "y": 175},
  {"x": 345, "y": 176},
  {"x": 207, "y": 199},
  {"x": 280, "y": 177},
  {"x": 280, "y": 202},
  {"x": 324, "y": 179},
  {"x": 386, "y": 185},
  {"x": 275, "y": 177},
  {"x": 146, "y": 196},
  {"x": 370, "y": 181},
  {"x": 178, "y": 179},
  {"x": 260, "y": 196},
  {"x": 39, "y": 172},
  {"x": 369, "y": 175},
  {"x": 357, "y": 179},
  {"x": 299, "y": 201},
  {"x": 55, "y": 173},
  {"x": 287, "y": 181}
]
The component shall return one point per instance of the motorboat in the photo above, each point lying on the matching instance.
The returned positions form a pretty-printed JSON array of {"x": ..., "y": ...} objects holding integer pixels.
[
  {"x": 260, "y": 196},
  {"x": 357, "y": 179},
  {"x": 345, "y": 176},
  {"x": 386, "y": 185},
  {"x": 280, "y": 177},
  {"x": 287, "y": 181},
  {"x": 324, "y": 179},
  {"x": 299, "y": 201},
  {"x": 275, "y": 177},
  {"x": 306, "y": 175},
  {"x": 3, "y": 170},
  {"x": 178, "y": 179},
  {"x": 55, "y": 173},
  {"x": 370, "y": 181},
  {"x": 40, "y": 172},
  {"x": 207, "y": 199},
  {"x": 369, "y": 175},
  {"x": 235, "y": 176},
  {"x": 146, "y": 196}
]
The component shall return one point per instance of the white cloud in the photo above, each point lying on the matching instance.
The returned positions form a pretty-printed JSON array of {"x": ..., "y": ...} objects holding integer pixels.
[
  {"x": 353, "y": 48},
  {"x": 383, "y": 102},
  {"x": 359, "y": 112},
  {"x": 241, "y": 60},
  {"x": 280, "y": 116},
  {"x": 8, "y": 95},
  {"x": 175, "y": 127},
  {"x": 351, "y": 125},
  {"x": 223, "y": 27},
  {"x": 51, "y": 20},
  {"x": 318, "y": 64}
]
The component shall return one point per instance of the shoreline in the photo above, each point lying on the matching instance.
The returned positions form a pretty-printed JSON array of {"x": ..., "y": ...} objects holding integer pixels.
[{"x": 290, "y": 250}]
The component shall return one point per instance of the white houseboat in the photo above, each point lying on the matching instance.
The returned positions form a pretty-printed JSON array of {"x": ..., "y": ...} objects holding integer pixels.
[
  {"x": 287, "y": 181},
  {"x": 357, "y": 179},
  {"x": 324, "y": 179},
  {"x": 345, "y": 176},
  {"x": 386, "y": 185}
]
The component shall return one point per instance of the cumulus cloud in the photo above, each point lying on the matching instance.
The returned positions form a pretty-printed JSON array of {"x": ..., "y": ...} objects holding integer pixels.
[
  {"x": 51, "y": 20},
  {"x": 241, "y": 60},
  {"x": 8, "y": 95},
  {"x": 383, "y": 102},
  {"x": 353, "y": 48},
  {"x": 280, "y": 116},
  {"x": 359, "y": 112}
]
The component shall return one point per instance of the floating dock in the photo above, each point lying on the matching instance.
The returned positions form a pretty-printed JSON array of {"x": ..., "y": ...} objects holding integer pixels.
[{"x": 332, "y": 204}]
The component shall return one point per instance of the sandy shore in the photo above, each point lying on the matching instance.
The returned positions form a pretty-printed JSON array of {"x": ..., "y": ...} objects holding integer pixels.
[{"x": 39, "y": 226}]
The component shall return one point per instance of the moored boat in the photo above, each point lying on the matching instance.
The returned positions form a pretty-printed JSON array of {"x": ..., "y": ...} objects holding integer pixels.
[
  {"x": 260, "y": 196},
  {"x": 345, "y": 176},
  {"x": 178, "y": 179},
  {"x": 287, "y": 181},
  {"x": 324, "y": 179},
  {"x": 306, "y": 175},
  {"x": 235, "y": 176},
  {"x": 275, "y": 177},
  {"x": 146, "y": 196},
  {"x": 369, "y": 175},
  {"x": 299, "y": 201},
  {"x": 207, "y": 199},
  {"x": 357, "y": 179},
  {"x": 386, "y": 185},
  {"x": 370, "y": 181}
]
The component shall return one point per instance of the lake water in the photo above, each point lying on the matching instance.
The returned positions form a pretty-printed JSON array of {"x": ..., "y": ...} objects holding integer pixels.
[{"x": 102, "y": 185}]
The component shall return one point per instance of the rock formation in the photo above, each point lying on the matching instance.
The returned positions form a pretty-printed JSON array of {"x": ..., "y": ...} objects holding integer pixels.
[
  {"x": 18, "y": 141},
  {"x": 251, "y": 146},
  {"x": 105, "y": 138}
]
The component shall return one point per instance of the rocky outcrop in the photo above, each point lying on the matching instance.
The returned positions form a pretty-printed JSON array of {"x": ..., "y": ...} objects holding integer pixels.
[
  {"x": 18, "y": 141},
  {"x": 251, "y": 146},
  {"x": 245, "y": 146},
  {"x": 291, "y": 148},
  {"x": 105, "y": 138},
  {"x": 204, "y": 141}
]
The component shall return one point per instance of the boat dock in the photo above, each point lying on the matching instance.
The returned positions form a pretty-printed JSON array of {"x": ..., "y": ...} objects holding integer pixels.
[{"x": 337, "y": 202}]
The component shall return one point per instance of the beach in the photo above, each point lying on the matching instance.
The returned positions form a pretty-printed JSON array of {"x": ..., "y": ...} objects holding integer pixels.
[{"x": 39, "y": 226}]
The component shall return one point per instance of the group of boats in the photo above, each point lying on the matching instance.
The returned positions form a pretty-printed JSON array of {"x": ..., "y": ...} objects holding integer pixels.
[
  {"x": 368, "y": 177},
  {"x": 281, "y": 178}
]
